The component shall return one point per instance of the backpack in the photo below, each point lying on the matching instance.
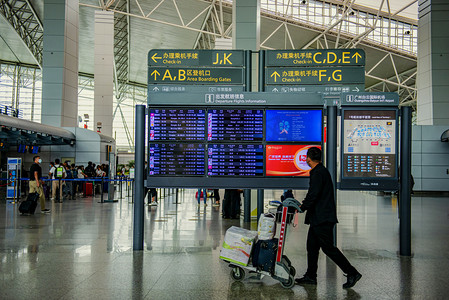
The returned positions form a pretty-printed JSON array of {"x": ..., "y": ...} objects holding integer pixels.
[
  {"x": 59, "y": 172},
  {"x": 68, "y": 174}
]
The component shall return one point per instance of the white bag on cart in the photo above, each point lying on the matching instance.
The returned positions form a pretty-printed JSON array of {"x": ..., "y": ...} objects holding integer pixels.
[
  {"x": 266, "y": 228},
  {"x": 237, "y": 245}
]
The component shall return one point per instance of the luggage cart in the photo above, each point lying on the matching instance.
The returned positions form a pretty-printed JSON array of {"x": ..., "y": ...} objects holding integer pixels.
[{"x": 283, "y": 270}]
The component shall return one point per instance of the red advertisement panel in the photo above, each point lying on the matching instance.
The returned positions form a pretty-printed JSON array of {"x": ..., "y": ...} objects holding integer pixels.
[{"x": 287, "y": 160}]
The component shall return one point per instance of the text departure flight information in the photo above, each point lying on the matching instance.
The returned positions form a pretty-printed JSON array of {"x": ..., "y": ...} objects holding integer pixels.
[
  {"x": 177, "y": 124},
  {"x": 235, "y": 125}
]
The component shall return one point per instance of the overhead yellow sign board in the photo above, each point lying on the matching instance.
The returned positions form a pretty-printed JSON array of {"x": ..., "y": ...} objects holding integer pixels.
[
  {"x": 315, "y": 58},
  {"x": 220, "y": 76}
]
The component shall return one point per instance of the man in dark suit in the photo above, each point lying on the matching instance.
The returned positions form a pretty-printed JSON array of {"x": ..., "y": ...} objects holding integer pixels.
[{"x": 322, "y": 216}]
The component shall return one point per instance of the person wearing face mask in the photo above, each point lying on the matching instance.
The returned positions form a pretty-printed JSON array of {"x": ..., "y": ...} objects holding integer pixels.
[
  {"x": 321, "y": 215},
  {"x": 36, "y": 182}
]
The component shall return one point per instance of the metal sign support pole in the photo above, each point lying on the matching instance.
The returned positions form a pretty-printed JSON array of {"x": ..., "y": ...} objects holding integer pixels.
[
  {"x": 140, "y": 163},
  {"x": 405, "y": 224},
  {"x": 260, "y": 198},
  {"x": 331, "y": 152},
  {"x": 247, "y": 205}
]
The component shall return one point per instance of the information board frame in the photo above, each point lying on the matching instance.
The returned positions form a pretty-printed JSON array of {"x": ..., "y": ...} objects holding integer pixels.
[
  {"x": 155, "y": 101},
  {"x": 369, "y": 183}
]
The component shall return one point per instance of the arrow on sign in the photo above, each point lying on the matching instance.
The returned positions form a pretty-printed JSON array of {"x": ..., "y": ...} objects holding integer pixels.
[
  {"x": 154, "y": 57},
  {"x": 275, "y": 74},
  {"x": 275, "y": 90},
  {"x": 155, "y": 89},
  {"x": 356, "y": 55},
  {"x": 356, "y": 89},
  {"x": 155, "y": 73}
]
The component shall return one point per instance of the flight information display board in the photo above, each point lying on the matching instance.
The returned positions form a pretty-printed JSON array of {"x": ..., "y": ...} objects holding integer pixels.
[
  {"x": 177, "y": 124},
  {"x": 369, "y": 143},
  {"x": 235, "y": 160},
  {"x": 234, "y": 125},
  {"x": 287, "y": 160},
  {"x": 176, "y": 159},
  {"x": 294, "y": 125}
]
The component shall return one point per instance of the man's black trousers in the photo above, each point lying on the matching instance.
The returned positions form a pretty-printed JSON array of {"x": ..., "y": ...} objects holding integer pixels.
[{"x": 322, "y": 236}]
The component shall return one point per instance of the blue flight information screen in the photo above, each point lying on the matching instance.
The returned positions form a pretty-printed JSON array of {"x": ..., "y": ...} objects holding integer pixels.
[
  {"x": 235, "y": 125},
  {"x": 177, "y": 124},
  {"x": 235, "y": 160},
  {"x": 294, "y": 125},
  {"x": 176, "y": 159}
]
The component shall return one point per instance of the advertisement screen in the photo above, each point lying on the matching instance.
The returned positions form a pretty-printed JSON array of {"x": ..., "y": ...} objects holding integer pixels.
[
  {"x": 369, "y": 143},
  {"x": 235, "y": 160},
  {"x": 177, "y": 124},
  {"x": 176, "y": 159},
  {"x": 287, "y": 160},
  {"x": 294, "y": 125},
  {"x": 234, "y": 125}
]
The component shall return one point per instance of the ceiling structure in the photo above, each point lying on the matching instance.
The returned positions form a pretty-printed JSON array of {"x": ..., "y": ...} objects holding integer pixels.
[{"x": 385, "y": 29}]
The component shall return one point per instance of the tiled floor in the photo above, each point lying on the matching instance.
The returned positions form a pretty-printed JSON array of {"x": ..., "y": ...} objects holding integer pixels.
[{"x": 83, "y": 250}]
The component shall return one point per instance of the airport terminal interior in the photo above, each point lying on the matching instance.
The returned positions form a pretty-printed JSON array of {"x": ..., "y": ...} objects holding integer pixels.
[{"x": 237, "y": 92}]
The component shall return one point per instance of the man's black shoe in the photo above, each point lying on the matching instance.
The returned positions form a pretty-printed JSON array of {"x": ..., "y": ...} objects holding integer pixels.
[
  {"x": 352, "y": 280},
  {"x": 305, "y": 280}
]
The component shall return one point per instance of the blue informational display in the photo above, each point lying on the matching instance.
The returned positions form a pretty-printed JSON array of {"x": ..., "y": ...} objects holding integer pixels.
[
  {"x": 176, "y": 159},
  {"x": 177, "y": 125},
  {"x": 294, "y": 125},
  {"x": 34, "y": 149},
  {"x": 235, "y": 160},
  {"x": 235, "y": 125},
  {"x": 22, "y": 148}
]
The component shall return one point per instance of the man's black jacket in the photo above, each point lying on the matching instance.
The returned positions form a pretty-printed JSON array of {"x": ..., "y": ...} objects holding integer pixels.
[{"x": 319, "y": 202}]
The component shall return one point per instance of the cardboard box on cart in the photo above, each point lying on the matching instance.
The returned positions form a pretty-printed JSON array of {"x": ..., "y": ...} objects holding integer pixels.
[{"x": 237, "y": 245}]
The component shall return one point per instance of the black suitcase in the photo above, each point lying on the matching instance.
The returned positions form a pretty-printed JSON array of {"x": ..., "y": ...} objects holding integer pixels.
[
  {"x": 231, "y": 204},
  {"x": 264, "y": 254},
  {"x": 29, "y": 205}
]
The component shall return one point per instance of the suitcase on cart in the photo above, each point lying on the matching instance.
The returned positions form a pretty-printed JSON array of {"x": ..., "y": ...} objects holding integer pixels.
[
  {"x": 264, "y": 254},
  {"x": 29, "y": 205}
]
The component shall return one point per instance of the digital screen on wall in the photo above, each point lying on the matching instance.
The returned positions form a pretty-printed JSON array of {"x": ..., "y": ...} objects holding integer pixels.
[
  {"x": 177, "y": 124},
  {"x": 287, "y": 160},
  {"x": 369, "y": 143},
  {"x": 294, "y": 125},
  {"x": 176, "y": 159},
  {"x": 235, "y": 160},
  {"x": 234, "y": 125}
]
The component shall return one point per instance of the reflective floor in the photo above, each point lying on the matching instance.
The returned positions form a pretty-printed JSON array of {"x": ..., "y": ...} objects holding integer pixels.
[{"x": 83, "y": 250}]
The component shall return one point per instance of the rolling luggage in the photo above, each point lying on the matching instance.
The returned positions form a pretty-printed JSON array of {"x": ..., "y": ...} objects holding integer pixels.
[
  {"x": 29, "y": 205},
  {"x": 231, "y": 204},
  {"x": 264, "y": 254},
  {"x": 88, "y": 189}
]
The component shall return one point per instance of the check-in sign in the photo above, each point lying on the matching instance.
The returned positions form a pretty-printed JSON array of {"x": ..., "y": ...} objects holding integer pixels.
[
  {"x": 315, "y": 58},
  {"x": 328, "y": 75}
]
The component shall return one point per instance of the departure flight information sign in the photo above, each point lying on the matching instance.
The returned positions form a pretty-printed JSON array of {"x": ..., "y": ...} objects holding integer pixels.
[
  {"x": 235, "y": 160},
  {"x": 177, "y": 124},
  {"x": 369, "y": 143},
  {"x": 234, "y": 125},
  {"x": 176, "y": 159},
  {"x": 294, "y": 125}
]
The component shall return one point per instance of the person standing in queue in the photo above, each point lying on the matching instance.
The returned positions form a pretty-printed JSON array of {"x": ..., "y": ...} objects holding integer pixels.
[
  {"x": 36, "y": 182},
  {"x": 321, "y": 215}
]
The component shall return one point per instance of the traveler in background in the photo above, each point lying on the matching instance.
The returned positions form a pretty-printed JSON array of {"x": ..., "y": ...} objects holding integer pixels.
[
  {"x": 36, "y": 182},
  {"x": 81, "y": 175},
  {"x": 100, "y": 172},
  {"x": 198, "y": 196},
  {"x": 89, "y": 171},
  {"x": 57, "y": 173},
  {"x": 216, "y": 197},
  {"x": 322, "y": 216},
  {"x": 68, "y": 186}
]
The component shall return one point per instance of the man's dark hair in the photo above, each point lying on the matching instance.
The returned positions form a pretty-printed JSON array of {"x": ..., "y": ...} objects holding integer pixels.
[
  {"x": 34, "y": 158},
  {"x": 89, "y": 163},
  {"x": 57, "y": 161},
  {"x": 314, "y": 154}
]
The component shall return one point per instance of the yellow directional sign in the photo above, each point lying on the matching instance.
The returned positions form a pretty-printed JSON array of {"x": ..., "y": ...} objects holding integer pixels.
[
  {"x": 196, "y": 58},
  {"x": 206, "y": 76},
  {"x": 315, "y": 58},
  {"x": 324, "y": 75}
]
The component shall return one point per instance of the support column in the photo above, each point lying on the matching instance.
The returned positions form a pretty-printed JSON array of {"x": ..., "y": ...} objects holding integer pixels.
[
  {"x": 60, "y": 63},
  {"x": 433, "y": 63},
  {"x": 104, "y": 70}
]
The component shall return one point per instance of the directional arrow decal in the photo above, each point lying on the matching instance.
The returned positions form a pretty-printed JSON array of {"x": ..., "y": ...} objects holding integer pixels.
[
  {"x": 357, "y": 56},
  {"x": 275, "y": 74},
  {"x": 356, "y": 89},
  {"x": 155, "y": 73},
  {"x": 154, "y": 57}
]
